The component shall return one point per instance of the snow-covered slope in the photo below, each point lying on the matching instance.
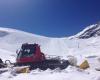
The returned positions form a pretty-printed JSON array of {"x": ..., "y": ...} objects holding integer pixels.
[
  {"x": 12, "y": 39},
  {"x": 84, "y": 45}
]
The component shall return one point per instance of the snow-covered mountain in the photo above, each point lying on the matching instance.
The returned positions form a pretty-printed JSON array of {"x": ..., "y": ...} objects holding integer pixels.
[
  {"x": 90, "y": 31},
  {"x": 11, "y": 40},
  {"x": 84, "y": 45}
]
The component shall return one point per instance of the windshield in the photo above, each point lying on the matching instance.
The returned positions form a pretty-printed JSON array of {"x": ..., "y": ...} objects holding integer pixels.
[{"x": 26, "y": 51}]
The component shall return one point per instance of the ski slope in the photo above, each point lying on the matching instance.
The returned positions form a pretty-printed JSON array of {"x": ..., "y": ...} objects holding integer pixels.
[{"x": 89, "y": 49}]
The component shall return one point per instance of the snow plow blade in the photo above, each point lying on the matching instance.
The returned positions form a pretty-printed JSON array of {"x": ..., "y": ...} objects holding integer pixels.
[{"x": 24, "y": 69}]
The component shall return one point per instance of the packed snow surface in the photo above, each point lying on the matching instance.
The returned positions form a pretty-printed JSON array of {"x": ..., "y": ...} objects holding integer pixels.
[{"x": 82, "y": 49}]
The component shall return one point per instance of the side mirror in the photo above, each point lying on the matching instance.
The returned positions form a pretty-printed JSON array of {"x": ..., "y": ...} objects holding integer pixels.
[{"x": 17, "y": 51}]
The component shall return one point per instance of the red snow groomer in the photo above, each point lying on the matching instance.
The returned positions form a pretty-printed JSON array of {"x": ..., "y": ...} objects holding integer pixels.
[{"x": 31, "y": 55}]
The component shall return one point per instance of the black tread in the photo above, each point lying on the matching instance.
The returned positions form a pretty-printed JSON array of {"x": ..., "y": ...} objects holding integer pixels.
[{"x": 51, "y": 64}]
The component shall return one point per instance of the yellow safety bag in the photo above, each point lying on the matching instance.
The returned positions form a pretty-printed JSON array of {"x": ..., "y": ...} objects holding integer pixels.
[{"x": 84, "y": 65}]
